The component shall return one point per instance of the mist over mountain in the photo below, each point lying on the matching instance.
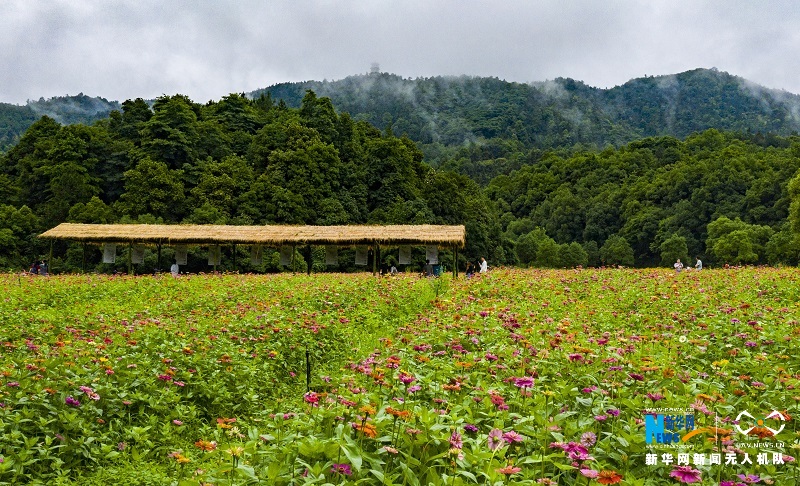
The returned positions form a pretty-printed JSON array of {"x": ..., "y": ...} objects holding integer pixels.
[
  {"x": 489, "y": 122},
  {"x": 447, "y": 115},
  {"x": 67, "y": 110}
]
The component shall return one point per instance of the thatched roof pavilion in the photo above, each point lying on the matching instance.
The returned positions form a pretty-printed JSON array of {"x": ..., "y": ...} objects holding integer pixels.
[{"x": 162, "y": 234}]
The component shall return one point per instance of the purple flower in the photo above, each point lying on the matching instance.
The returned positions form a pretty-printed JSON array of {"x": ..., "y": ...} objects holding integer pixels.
[
  {"x": 470, "y": 428},
  {"x": 749, "y": 478},
  {"x": 685, "y": 474},
  {"x": 655, "y": 396},
  {"x": 588, "y": 439},
  {"x": 414, "y": 388},
  {"x": 455, "y": 440},
  {"x": 613, "y": 412},
  {"x": 495, "y": 440},
  {"x": 600, "y": 418},
  {"x": 13, "y": 384},
  {"x": 636, "y": 376},
  {"x": 407, "y": 378},
  {"x": 523, "y": 382},
  {"x": 72, "y": 402},
  {"x": 343, "y": 469},
  {"x": 590, "y": 473}
]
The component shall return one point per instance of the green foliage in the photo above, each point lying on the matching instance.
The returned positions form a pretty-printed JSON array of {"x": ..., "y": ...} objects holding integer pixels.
[
  {"x": 734, "y": 241},
  {"x": 616, "y": 251},
  {"x": 672, "y": 249},
  {"x": 151, "y": 187}
]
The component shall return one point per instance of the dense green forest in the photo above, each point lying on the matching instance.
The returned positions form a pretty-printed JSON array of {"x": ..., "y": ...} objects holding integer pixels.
[
  {"x": 641, "y": 180},
  {"x": 484, "y": 127},
  {"x": 236, "y": 161}
]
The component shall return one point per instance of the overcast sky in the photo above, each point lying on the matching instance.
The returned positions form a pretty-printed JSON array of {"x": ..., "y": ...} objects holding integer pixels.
[{"x": 207, "y": 49}]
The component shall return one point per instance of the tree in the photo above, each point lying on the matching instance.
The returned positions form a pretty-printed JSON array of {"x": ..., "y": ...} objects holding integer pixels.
[
  {"x": 734, "y": 241},
  {"x": 617, "y": 251},
  {"x": 572, "y": 255},
  {"x": 152, "y": 188},
  {"x": 672, "y": 249},
  {"x": 783, "y": 247},
  {"x": 95, "y": 211},
  {"x": 170, "y": 135},
  {"x": 547, "y": 253},
  {"x": 527, "y": 245}
]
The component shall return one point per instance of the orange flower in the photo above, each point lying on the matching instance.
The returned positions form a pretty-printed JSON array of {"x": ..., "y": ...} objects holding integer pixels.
[
  {"x": 367, "y": 409},
  {"x": 367, "y": 429},
  {"x": 181, "y": 459},
  {"x": 403, "y": 414},
  {"x": 206, "y": 445},
  {"x": 761, "y": 432},
  {"x": 225, "y": 423},
  {"x": 609, "y": 477}
]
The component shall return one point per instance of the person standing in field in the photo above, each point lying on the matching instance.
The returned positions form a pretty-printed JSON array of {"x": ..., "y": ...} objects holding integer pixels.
[
  {"x": 484, "y": 265},
  {"x": 699, "y": 264},
  {"x": 678, "y": 266}
]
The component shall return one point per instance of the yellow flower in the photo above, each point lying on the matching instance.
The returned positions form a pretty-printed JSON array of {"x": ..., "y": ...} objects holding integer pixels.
[{"x": 235, "y": 451}]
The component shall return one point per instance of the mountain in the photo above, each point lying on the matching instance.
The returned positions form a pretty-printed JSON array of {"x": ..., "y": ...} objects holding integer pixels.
[
  {"x": 498, "y": 118},
  {"x": 15, "y": 119}
]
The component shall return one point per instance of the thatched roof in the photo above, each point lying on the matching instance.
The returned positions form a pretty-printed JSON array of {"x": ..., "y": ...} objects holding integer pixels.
[{"x": 450, "y": 236}]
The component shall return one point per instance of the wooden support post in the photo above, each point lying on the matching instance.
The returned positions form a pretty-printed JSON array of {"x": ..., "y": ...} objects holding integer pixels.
[
  {"x": 455, "y": 262},
  {"x": 373, "y": 259},
  {"x": 130, "y": 258},
  {"x": 50, "y": 258},
  {"x": 158, "y": 259},
  {"x": 293, "y": 251},
  {"x": 234, "y": 258},
  {"x": 309, "y": 259},
  {"x": 83, "y": 261}
]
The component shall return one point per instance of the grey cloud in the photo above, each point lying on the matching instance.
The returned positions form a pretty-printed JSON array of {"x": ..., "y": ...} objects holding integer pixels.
[{"x": 206, "y": 49}]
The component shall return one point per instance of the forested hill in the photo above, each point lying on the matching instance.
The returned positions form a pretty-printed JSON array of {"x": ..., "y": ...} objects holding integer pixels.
[
  {"x": 443, "y": 114},
  {"x": 15, "y": 119}
]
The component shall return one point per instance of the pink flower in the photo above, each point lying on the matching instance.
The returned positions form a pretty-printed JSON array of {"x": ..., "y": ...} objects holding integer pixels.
[
  {"x": 685, "y": 474},
  {"x": 495, "y": 440},
  {"x": 343, "y": 469},
  {"x": 406, "y": 378},
  {"x": 523, "y": 382},
  {"x": 512, "y": 437},
  {"x": 590, "y": 473},
  {"x": 312, "y": 398},
  {"x": 455, "y": 440},
  {"x": 509, "y": 470}
]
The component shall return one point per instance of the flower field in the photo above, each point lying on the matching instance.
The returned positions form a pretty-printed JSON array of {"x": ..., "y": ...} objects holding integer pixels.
[{"x": 516, "y": 377}]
